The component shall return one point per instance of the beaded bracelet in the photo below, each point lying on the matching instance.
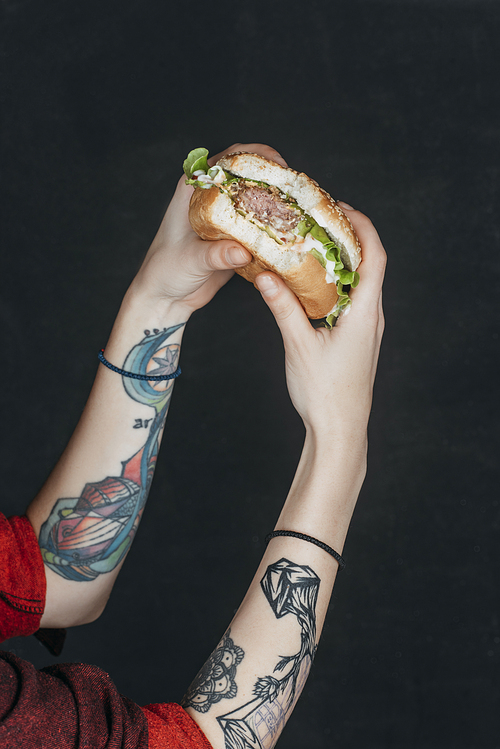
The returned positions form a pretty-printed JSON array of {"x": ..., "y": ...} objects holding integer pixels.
[
  {"x": 132, "y": 375},
  {"x": 311, "y": 540}
]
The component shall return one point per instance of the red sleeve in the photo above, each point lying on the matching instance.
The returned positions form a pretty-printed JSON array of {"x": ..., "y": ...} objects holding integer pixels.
[
  {"x": 73, "y": 704},
  {"x": 22, "y": 578},
  {"x": 170, "y": 727},
  {"x": 65, "y": 706}
]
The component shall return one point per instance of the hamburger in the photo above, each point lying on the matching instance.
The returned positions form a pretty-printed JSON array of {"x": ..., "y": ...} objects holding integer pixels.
[{"x": 285, "y": 219}]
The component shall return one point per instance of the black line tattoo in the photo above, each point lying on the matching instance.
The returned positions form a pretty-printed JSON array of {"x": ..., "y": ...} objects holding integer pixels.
[
  {"x": 215, "y": 681},
  {"x": 290, "y": 589},
  {"x": 142, "y": 423}
]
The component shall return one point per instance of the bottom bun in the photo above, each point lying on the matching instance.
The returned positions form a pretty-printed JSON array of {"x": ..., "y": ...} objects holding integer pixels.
[{"x": 317, "y": 297}]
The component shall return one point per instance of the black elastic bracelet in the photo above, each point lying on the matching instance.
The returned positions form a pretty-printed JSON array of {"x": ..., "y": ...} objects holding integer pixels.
[
  {"x": 132, "y": 375},
  {"x": 311, "y": 540}
]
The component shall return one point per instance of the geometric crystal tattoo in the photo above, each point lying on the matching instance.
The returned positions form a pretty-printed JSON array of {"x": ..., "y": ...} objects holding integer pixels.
[
  {"x": 216, "y": 680},
  {"x": 89, "y": 535},
  {"x": 290, "y": 589}
]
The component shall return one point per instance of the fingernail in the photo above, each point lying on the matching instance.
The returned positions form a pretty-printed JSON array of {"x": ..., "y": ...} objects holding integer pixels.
[
  {"x": 267, "y": 286},
  {"x": 237, "y": 256},
  {"x": 346, "y": 206}
]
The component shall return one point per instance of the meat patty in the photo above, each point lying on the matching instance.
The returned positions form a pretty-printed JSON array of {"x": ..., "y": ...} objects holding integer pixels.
[{"x": 266, "y": 204}]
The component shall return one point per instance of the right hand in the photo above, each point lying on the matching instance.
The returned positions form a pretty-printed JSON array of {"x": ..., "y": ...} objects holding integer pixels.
[
  {"x": 182, "y": 269},
  {"x": 330, "y": 373}
]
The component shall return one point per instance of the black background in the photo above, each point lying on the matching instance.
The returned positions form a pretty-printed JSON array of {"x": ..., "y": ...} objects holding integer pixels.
[{"x": 391, "y": 106}]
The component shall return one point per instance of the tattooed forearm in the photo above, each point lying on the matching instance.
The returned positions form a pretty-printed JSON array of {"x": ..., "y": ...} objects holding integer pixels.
[
  {"x": 216, "y": 680},
  {"x": 290, "y": 589},
  {"x": 89, "y": 535}
]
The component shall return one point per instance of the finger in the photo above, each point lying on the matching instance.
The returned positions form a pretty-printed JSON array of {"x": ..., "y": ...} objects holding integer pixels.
[
  {"x": 260, "y": 148},
  {"x": 223, "y": 254},
  {"x": 373, "y": 257},
  {"x": 285, "y": 306}
]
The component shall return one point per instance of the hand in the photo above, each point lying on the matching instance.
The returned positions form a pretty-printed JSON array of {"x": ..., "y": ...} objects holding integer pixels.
[
  {"x": 180, "y": 267},
  {"x": 330, "y": 373}
]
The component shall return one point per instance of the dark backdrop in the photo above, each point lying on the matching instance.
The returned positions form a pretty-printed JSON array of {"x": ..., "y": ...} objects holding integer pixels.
[{"x": 392, "y": 106}]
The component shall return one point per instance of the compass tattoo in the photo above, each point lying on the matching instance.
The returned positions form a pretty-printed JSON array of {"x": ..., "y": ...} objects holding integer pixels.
[{"x": 89, "y": 535}]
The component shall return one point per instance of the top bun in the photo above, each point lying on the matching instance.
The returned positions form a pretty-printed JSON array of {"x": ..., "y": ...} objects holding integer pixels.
[
  {"x": 309, "y": 195},
  {"x": 213, "y": 216}
]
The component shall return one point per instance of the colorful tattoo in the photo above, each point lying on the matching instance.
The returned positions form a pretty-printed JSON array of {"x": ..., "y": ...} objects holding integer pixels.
[
  {"x": 216, "y": 680},
  {"x": 289, "y": 589},
  {"x": 86, "y": 536}
]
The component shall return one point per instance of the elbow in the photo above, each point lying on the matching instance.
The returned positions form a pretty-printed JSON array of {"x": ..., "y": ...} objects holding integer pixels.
[
  {"x": 71, "y": 614},
  {"x": 89, "y": 616}
]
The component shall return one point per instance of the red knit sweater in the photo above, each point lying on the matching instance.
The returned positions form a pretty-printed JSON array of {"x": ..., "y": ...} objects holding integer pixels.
[{"x": 73, "y": 704}]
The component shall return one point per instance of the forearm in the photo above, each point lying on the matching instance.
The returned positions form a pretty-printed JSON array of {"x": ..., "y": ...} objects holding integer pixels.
[
  {"x": 87, "y": 513},
  {"x": 272, "y": 639},
  {"x": 247, "y": 690},
  {"x": 180, "y": 274}
]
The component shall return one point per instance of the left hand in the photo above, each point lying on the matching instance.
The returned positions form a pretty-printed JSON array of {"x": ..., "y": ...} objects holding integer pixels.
[{"x": 182, "y": 269}]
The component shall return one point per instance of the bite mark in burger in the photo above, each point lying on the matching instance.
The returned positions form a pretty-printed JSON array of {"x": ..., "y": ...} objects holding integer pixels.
[{"x": 285, "y": 219}]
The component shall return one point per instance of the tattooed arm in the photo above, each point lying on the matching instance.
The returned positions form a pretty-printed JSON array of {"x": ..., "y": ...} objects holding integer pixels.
[
  {"x": 88, "y": 511},
  {"x": 248, "y": 687}
]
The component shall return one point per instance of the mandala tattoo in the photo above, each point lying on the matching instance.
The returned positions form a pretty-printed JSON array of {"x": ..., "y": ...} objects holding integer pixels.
[
  {"x": 215, "y": 681},
  {"x": 289, "y": 589},
  {"x": 86, "y": 536}
]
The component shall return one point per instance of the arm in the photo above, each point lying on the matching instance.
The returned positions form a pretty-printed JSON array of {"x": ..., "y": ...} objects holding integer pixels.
[
  {"x": 88, "y": 511},
  {"x": 248, "y": 687}
]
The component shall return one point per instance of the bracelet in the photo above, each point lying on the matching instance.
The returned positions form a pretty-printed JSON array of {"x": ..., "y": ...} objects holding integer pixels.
[
  {"x": 311, "y": 540},
  {"x": 124, "y": 373}
]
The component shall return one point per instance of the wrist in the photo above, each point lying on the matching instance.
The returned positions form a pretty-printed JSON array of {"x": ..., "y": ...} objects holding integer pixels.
[
  {"x": 155, "y": 311},
  {"x": 139, "y": 316},
  {"x": 344, "y": 444},
  {"x": 325, "y": 490}
]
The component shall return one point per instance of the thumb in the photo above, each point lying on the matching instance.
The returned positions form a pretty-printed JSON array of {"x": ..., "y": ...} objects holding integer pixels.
[
  {"x": 224, "y": 254},
  {"x": 285, "y": 306}
]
